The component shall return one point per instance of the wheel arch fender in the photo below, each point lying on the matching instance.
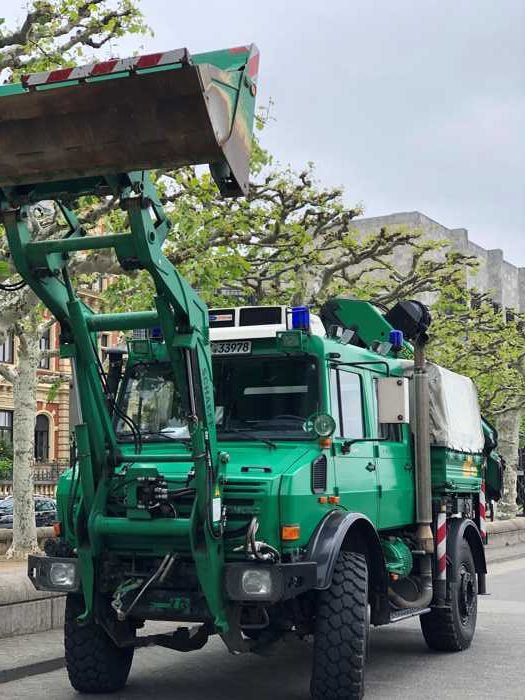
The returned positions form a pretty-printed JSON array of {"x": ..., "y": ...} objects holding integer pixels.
[
  {"x": 340, "y": 530},
  {"x": 460, "y": 529}
]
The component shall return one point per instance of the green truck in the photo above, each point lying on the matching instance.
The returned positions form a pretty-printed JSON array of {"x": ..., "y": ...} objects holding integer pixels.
[{"x": 250, "y": 472}]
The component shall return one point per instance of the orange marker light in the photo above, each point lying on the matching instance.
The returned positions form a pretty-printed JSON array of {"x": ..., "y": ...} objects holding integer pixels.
[
  {"x": 290, "y": 532},
  {"x": 57, "y": 529},
  {"x": 325, "y": 442},
  {"x": 323, "y": 499},
  {"x": 334, "y": 499}
]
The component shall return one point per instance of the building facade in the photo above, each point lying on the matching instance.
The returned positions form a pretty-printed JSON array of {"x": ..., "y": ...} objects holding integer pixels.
[
  {"x": 504, "y": 282},
  {"x": 52, "y": 426}
]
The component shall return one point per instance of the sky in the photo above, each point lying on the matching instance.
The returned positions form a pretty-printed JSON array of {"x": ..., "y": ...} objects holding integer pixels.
[{"x": 408, "y": 104}]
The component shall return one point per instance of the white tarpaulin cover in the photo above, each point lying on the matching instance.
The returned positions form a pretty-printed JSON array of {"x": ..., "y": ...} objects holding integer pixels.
[{"x": 455, "y": 418}]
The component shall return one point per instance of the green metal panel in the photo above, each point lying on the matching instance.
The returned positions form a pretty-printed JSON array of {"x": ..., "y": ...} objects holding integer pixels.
[{"x": 455, "y": 472}]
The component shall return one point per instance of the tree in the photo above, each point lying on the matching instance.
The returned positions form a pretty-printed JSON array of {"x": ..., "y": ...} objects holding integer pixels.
[
  {"x": 289, "y": 241},
  {"x": 53, "y": 33}
]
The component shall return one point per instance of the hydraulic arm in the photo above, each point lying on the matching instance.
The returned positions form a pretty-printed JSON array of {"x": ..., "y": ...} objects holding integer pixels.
[{"x": 154, "y": 113}]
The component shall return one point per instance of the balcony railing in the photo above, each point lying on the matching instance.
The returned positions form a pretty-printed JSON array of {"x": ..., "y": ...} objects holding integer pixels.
[{"x": 45, "y": 478}]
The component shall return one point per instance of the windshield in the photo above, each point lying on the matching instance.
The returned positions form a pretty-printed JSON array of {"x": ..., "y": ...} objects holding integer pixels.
[
  {"x": 152, "y": 402},
  {"x": 273, "y": 395},
  {"x": 266, "y": 396}
]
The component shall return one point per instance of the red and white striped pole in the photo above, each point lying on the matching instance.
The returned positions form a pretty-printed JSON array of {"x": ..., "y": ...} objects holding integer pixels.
[
  {"x": 441, "y": 556},
  {"x": 482, "y": 513}
]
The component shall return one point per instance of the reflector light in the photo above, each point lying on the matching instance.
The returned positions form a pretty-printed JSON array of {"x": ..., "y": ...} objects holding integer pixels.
[{"x": 290, "y": 532}]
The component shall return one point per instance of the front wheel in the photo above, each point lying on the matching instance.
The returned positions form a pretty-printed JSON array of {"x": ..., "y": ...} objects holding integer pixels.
[
  {"x": 452, "y": 627},
  {"x": 341, "y": 632},
  {"x": 95, "y": 664}
]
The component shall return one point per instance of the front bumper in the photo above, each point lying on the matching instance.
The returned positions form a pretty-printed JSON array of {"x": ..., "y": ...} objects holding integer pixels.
[
  {"x": 287, "y": 580},
  {"x": 39, "y": 571}
]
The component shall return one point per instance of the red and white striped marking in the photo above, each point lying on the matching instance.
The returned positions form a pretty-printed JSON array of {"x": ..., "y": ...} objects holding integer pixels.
[
  {"x": 113, "y": 65},
  {"x": 482, "y": 513},
  {"x": 441, "y": 546}
]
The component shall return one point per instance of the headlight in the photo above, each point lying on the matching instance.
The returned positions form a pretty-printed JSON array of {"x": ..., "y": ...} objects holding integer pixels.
[
  {"x": 62, "y": 574},
  {"x": 257, "y": 582}
]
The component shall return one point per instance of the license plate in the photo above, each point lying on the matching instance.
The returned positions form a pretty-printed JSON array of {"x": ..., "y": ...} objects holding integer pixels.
[{"x": 233, "y": 347}]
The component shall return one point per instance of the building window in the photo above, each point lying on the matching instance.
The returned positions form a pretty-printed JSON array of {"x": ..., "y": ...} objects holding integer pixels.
[
  {"x": 6, "y": 427},
  {"x": 7, "y": 350},
  {"x": 45, "y": 344},
  {"x": 42, "y": 438}
]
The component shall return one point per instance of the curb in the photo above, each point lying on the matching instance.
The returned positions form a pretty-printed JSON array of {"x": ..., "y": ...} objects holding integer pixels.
[{"x": 506, "y": 533}]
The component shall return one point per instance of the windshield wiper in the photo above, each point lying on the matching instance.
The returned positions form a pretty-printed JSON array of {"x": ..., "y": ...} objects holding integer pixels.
[
  {"x": 249, "y": 436},
  {"x": 182, "y": 440}
]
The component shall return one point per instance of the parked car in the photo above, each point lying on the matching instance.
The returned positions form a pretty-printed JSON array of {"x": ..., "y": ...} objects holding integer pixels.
[{"x": 45, "y": 511}]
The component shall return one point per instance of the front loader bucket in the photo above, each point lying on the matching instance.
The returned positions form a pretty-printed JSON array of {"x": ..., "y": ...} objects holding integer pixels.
[{"x": 160, "y": 111}]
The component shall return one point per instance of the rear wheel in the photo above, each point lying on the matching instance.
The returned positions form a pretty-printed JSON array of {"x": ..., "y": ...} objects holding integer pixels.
[
  {"x": 94, "y": 662},
  {"x": 452, "y": 628},
  {"x": 341, "y": 632}
]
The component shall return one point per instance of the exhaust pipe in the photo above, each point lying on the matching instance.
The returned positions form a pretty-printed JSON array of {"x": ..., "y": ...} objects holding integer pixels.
[{"x": 424, "y": 533}]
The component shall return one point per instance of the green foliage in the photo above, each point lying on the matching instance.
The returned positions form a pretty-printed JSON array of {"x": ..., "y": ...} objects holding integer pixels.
[
  {"x": 289, "y": 241},
  {"x": 65, "y": 32},
  {"x": 6, "y": 450},
  {"x": 6, "y": 470},
  {"x": 54, "y": 389},
  {"x": 6, "y": 461}
]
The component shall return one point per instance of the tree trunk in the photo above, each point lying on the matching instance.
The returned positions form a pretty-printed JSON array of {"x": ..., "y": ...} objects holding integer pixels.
[
  {"x": 24, "y": 404},
  {"x": 508, "y": 426}
]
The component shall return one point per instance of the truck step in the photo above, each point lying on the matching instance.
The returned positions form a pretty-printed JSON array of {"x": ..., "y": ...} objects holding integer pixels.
[{"x": 398, "y": 615}]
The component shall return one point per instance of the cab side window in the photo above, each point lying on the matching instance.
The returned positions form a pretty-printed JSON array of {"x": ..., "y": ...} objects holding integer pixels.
[{"x": 347, "y": 404}]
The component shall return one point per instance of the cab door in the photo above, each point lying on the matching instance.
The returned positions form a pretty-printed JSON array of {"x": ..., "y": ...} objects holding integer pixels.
[{"x": 355, "y": 464}]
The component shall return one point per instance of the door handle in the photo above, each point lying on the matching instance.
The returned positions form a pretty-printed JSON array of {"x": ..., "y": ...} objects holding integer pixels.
[
  {"x": 370, "y": 467},
  {"x": 408, "y": 467}
]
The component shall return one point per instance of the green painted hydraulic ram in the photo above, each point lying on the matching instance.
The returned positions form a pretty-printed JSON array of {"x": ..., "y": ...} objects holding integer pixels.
[{"x": 96, "y": 130}]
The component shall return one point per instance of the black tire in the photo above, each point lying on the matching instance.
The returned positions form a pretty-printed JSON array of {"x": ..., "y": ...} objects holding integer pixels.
[
  {"x": 94, "y": 663},
  {"x": 341, "y": 632},
  {"x": 452, "y": 628}
]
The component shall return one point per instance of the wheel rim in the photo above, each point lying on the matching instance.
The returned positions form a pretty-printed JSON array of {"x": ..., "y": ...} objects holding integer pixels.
[{"x": 467, "y": 594}]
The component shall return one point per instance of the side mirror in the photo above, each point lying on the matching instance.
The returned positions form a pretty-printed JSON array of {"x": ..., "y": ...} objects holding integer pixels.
[{"x": 393, "y": 400}]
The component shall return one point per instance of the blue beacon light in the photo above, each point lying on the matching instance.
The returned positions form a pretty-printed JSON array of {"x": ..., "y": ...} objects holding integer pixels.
[
  {"x": 300, "y": 318},
  {"x": 156, "y": 333},
  {"x": 396, "y": 339}
]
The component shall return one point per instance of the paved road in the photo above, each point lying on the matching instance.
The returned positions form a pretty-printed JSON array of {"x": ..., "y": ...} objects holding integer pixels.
[{"x": 400, "y": 664}]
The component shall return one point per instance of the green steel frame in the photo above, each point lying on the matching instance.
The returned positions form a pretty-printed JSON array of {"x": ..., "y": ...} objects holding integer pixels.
[{"x": 183, "y": 317}]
